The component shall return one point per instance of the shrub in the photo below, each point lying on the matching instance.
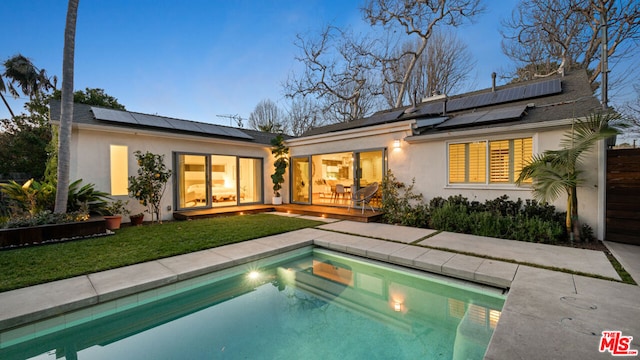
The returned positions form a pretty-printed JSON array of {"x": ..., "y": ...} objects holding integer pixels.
[
  {"x": 450, "y": 217},
  {"x": 401, "y": 205},
  {"x": 34, "y": 197},
  {"x": 47, "y": 217},
  {"x": 117, "y": 207},
  {"x": 500, "y": 218}
]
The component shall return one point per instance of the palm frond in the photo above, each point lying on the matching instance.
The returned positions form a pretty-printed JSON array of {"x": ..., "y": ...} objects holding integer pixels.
[{"x": 585, "y": 133}]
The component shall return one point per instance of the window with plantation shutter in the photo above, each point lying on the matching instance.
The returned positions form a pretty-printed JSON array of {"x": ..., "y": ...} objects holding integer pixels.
[
  {"x": 457, "y": 163},
  {"x": 492, "y": 162},
  {"x": 477, "y": 163},
  {"x": 499, "y": 160},
  {"x": 522, "y": 152}
]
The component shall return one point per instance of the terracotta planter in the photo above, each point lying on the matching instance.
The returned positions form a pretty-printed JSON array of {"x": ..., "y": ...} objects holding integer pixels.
[
  {"x": 136, "y": 219},
  {"x": 113, "y": 222}
]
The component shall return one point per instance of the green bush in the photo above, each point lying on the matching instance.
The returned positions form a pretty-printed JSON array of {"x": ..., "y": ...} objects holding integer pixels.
[
  {"x": 401, "y": 205},
  {"x": 500, "y": 218},
  {"x": 35, "y": 198},
  {"x": 46, "y": 217},
  {"x": 448, "y": 217}
]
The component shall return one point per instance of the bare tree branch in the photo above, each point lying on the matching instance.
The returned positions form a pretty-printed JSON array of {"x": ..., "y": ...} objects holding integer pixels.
[
  {"x": 418, "y": 19},
  {"x": 567, "y": 33}
]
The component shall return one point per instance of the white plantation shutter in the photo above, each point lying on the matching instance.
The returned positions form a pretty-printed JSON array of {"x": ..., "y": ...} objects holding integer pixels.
[
  {"x": 499, "y": 161},
  {"x": 457, "y": 163},
  {"x": 477, "y": 162}
]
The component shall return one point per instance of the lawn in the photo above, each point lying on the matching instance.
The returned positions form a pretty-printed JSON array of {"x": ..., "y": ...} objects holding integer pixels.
[{"x": 131, "y": 245}]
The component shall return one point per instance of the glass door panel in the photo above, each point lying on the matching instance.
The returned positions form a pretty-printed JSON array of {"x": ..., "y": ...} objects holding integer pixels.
[
  {"x": 333, "y": 178},
  {"x": 192, "y": 190},
  {"x": 300, "y": 180},
  {"x": 250, "y": 180},
  {"x": 223, "y": 181},
  {"x": 370, "y": 169}
]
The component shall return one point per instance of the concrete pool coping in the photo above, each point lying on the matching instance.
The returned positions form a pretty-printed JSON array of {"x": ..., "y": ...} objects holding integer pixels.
[{"x": 547, "y": 314}]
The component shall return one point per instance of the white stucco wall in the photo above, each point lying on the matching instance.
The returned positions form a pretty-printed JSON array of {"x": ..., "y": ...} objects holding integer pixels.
[
  {"x": 91, "y": 158},
  {"x": 425, "y": 159}
]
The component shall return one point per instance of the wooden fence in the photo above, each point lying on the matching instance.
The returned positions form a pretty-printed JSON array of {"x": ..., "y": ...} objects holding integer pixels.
[{"x": 623, "y": 196}]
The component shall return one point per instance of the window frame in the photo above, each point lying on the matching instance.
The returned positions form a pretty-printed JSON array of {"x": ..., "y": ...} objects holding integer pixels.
[{"x": 488, "y": 183}]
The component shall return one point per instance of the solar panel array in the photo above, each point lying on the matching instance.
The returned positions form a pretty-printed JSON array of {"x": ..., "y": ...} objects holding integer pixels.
[
  {"x": 484, "y": 117},
  {"x": 528, "y": 91},
  {"x": 125, "y": 117}
]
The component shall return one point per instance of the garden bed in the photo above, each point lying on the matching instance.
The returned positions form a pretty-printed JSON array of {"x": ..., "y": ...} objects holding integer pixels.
[{"x": 43, "y": 233}]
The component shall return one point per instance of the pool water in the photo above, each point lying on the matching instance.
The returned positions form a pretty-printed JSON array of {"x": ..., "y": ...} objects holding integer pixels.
[{"x": 316, "y": 305}]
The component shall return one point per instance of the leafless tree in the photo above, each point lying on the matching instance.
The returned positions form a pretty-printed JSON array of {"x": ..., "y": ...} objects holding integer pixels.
[
  {"x": 267, "y": 117},
  {"x": 303, "y": 115},
  {"x": 417, "y": 19},
  {"x": 443, "y": 67},
  {"x": 337, "y": 74},
  {"x": 631, "y": 112},
  {"x": 566, "y": 34}
]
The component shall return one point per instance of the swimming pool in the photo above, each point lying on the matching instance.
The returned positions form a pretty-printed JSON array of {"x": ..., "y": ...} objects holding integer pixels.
[{"x": 310, "y": 303}]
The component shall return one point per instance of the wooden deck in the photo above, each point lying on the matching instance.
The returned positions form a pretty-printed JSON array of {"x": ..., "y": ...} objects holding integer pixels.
[{"x": 331, "y": 212}]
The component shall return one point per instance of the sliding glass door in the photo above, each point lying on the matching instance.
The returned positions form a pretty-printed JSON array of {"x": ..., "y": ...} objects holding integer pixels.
[
  {"x": 330, "y": 179},
  {"x": 206, "y": 181}
]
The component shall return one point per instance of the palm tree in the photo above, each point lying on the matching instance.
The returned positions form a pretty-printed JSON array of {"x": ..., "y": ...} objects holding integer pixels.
[
  {"x": 3, "y": 88},
  {"x": 557, "y": 171},
  {"x": 66, "y": 112},
  {"x": 21, "y": 74}
]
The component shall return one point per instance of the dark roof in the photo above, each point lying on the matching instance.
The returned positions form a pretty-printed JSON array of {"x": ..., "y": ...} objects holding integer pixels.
[
  {"x": 94, "y": 115},
  {"x": 552, "y": 98}
]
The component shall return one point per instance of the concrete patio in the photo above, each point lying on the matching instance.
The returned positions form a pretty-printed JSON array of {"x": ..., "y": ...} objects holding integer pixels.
[{"x": 548, "y": 314}]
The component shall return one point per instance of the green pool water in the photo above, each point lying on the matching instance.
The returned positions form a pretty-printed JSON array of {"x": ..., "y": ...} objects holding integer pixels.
[{"x": 314, "y": 304}]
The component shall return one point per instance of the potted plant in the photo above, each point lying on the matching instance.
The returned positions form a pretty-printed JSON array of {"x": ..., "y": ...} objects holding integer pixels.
[
  {"x": 136, "y": 219},
  {"x": 114, "y": 212},
  {"x": 280, "y": 152}
]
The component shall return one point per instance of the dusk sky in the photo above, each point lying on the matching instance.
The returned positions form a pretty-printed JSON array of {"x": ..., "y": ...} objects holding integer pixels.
[{"x": 199, "y": 58}]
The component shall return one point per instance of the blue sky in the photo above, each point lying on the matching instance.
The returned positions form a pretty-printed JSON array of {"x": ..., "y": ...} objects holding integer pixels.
[{"x": 196, "y": 59}]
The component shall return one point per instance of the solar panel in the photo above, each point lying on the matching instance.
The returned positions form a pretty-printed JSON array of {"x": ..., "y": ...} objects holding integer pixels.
[
  {"x": 150, "y": 120},
  {"x": 430, "y": 122},
  {"x": 113, "y": 115},
  {"x": 484, "y": 117},
  {"x": 433, "y": 108},
  {"x": 517, "y": 93},
  {"x": 382, "y": 117},
  {"x": 182, "y": 125},
  {"x": 461, "y": 120},
  {"x": 213, "y": 129},
  {"x": 512, "y": 112},
  {"x": 126, "y": 117},
  {"x": 543, "y": 88}
]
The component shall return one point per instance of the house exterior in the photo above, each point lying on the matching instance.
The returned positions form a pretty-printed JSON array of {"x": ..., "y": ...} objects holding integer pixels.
[
  {"x": 471, "y": 144},
  {"x": 213, "y": 166}
]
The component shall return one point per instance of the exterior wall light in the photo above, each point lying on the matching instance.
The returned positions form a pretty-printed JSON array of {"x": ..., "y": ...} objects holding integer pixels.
[
  {"x": 396, "y": 144},
  {"x": 397, "y": 306}
]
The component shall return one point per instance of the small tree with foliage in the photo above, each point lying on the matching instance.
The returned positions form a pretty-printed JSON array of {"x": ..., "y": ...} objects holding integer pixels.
[
  {"x": 280, "y": 151},
  {"x": 150, "y": 183}
]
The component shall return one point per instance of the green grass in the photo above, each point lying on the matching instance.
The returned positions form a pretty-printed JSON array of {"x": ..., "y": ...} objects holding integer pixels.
[{"x": 131, "y": 245}]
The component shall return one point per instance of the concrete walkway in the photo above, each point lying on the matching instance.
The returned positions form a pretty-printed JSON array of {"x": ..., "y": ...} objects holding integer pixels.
[{"x": 547, "y": 314}]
